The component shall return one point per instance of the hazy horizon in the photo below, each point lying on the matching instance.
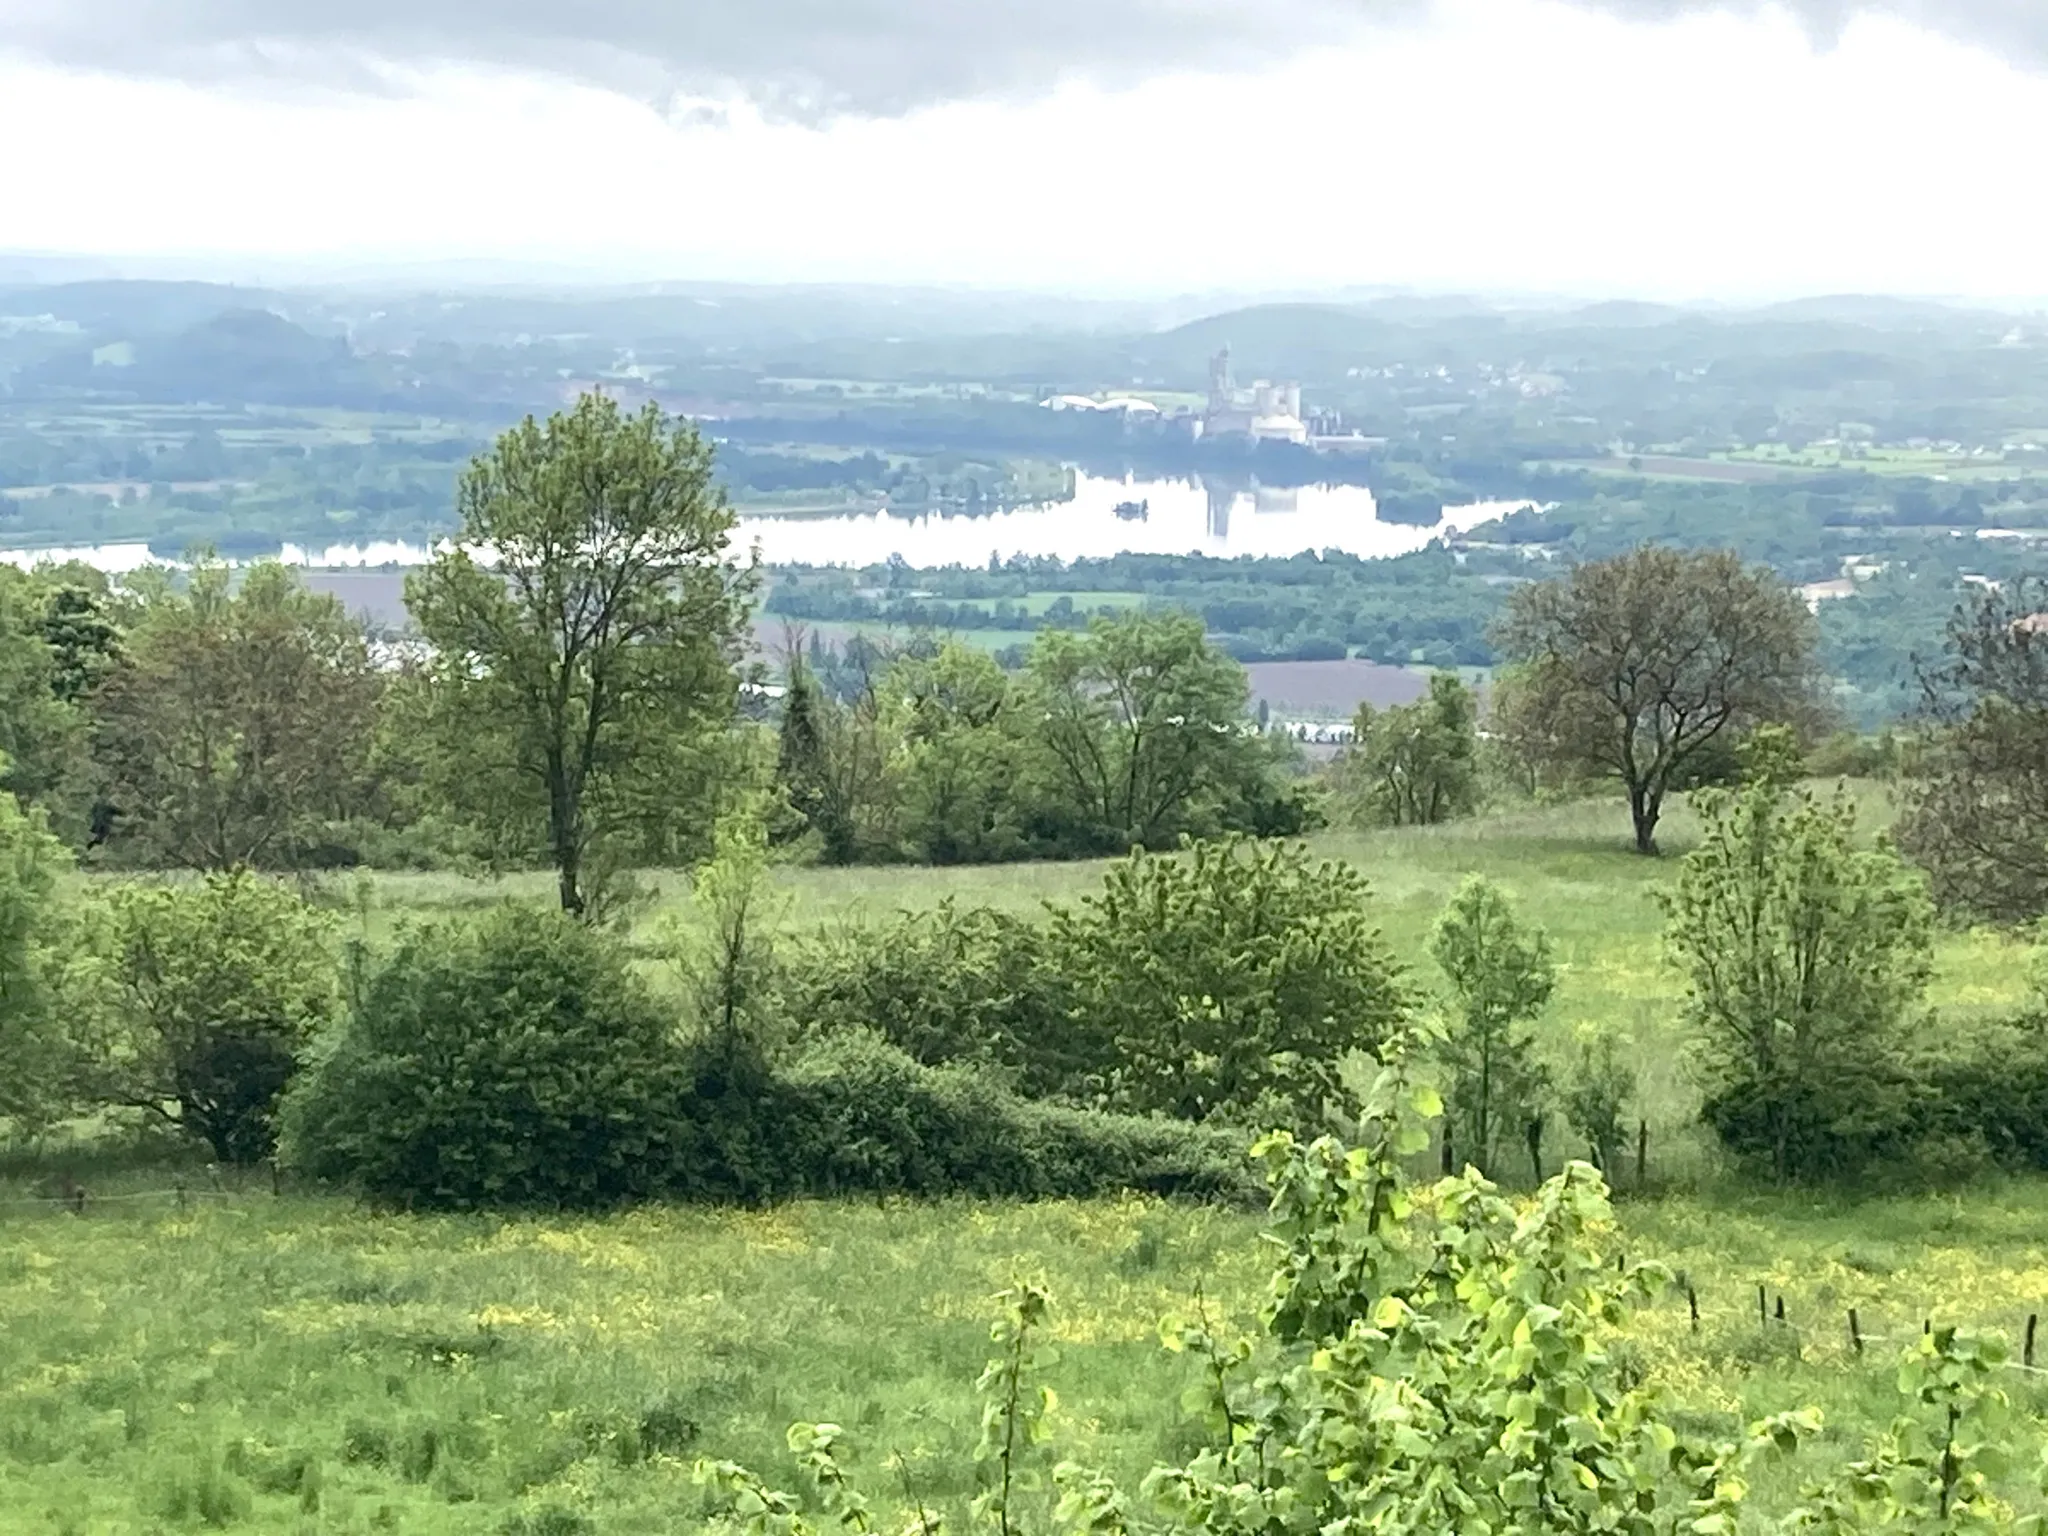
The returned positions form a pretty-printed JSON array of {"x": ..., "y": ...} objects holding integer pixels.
[
  {"x": 1651, "y": 149},
  {"x": 482, "y": 273}
]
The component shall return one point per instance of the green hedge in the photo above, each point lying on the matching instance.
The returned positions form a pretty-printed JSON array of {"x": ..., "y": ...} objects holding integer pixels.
[
  {"x": 516, "y": 1061},
  {"x": 862, "y": 1115}
]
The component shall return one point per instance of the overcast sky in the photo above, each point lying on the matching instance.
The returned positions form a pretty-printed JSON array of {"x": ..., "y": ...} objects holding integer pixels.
[{"x": 1650, "y": 147}]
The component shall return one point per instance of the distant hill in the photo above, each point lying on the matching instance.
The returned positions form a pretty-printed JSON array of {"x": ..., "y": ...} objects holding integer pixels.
[
  {"x": 255, "y": 356},
  {"x": 1269, "y": 340},
  {"x": 1626, "y": 312},
  {"x": 234, "y": 357},
  {"x": 1875, "y": 311},
  {"x": 133, "y": 309}
]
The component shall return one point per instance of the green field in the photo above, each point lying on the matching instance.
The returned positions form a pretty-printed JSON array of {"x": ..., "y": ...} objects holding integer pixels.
[
  {"x": 442, "y": 1375},
  {"x": 292, "y": 1363},
  {"x": 1777, "y": 461}
]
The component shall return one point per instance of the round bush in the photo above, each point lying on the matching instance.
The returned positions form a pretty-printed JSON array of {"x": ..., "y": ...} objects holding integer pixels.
[{"x": 511, "y": 1061}]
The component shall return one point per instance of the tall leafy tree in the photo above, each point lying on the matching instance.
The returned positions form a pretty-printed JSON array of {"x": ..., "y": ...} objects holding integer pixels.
[
  {"x": 1976, "y": 813},
  {"x": 43, "y": 731},
  {"x": 34, "y": 1061},
  {"x": 239, "y": 724},
  {"x": 1416, "y": 765},
  {"x": 833, "y": 760},
  {"x": 586, "y": 628},
  {"x": 1144, "y": 725},
  {"x": 82, "y": 625},
  {"x": 963, "y": 756},
  {"x": 800, "y": 738},
  {"x": 1806, "y": 958},
  {"x": 1642, "y": 668}
]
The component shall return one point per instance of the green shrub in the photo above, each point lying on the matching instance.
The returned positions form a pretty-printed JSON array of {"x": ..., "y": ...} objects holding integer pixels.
[
  {"x": 1598, "y": 1094},
  {"x": 34, "y": 1088},
  {"x": 875, "y": 1119},
  {"x": 1415, "y": 765},
  {"x": 205, "y": 997},
  {"x": 510, "y": 1061},
  {"x": 1501, "y": 975},
  {"x": 1806, "y": 959},
  {"x": 1846, "y": 755},
  {"x": 1229, "y": 981},
  {"x": 950, "y": 985}
]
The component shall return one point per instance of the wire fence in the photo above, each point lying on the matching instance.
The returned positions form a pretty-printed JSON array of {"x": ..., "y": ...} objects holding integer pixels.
[
  {"x": 79, "y": 1201},
  {"x": 1772, "y": 1315}
]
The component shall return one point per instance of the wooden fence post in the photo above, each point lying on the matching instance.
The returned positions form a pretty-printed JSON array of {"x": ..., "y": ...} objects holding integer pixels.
[
  {"x": 1763, "y": 1308},
  {"x": 1642, "y": 1155},
  {"x": 1692, "y": 1300},
  {"x": 2033, "y": 1318},
  {"x": 1855, "y": 1331}
]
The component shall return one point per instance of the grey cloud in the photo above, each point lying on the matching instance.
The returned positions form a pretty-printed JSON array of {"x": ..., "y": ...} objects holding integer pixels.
[
  {"x": 798, "y": 58},
  {"x": 2016, "y": 30}
]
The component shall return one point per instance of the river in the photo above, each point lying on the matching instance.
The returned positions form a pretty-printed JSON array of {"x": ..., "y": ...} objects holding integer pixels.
[{"x": 1209, "y": 517}]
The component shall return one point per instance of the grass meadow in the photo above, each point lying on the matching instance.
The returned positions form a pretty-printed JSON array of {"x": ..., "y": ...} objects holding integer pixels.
[{"x": 251, "y": 1360}]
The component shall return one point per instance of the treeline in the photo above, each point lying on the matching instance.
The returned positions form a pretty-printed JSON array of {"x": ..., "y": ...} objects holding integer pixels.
[
  {"x": 1431, "y": 608},
  {"x": 593, "y": 710},
  {"x": 1436, "y": 607},
  {"x": 1134, "y": 733},
  {"x": 181, "y": 484}
]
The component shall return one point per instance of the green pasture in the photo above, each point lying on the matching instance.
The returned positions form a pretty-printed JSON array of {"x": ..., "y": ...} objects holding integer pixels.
[
  {"x": 1925, "y": 463},
  {"x": 1789, "y": 463},
  {"x": 236, "y": 1358},
  {"x": 296, "y": 1364}
]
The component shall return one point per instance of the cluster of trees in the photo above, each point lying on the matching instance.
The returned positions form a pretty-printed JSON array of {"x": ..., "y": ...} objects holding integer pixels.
[
  {"x": 1414, "y": 765},
  {"x": 1439, "y": 607},
  {"x": 1132, "y": 733},
  {"x": 581, "y": 704},
  {"x": 1650, "y": 671},
  {"x": 1808, "y": 949},
  {"x": 578, "y": 703},
  {"x": 1227, "y": 985},
  {"x": 572, "y": 704}
]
